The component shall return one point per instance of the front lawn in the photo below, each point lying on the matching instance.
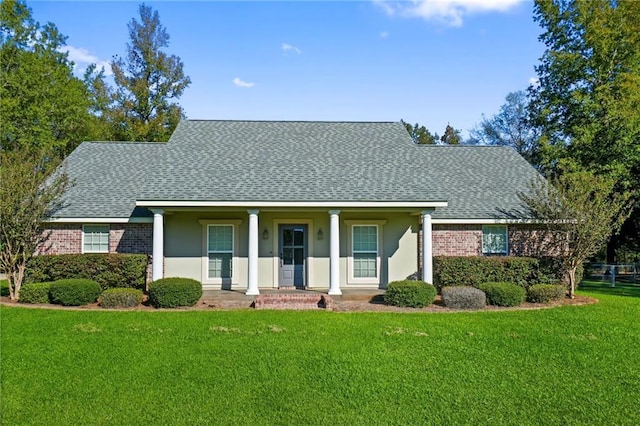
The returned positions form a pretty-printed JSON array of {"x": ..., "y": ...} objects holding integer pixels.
[{"x": 570, "y": 365}]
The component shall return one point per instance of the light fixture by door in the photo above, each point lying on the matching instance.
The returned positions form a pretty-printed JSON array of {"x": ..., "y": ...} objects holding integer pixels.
[
  {"x": 320, "y": 234},
  {"x": 265, "y": 234}
]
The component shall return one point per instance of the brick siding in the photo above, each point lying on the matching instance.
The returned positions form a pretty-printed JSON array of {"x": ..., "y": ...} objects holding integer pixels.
[
  {"x": 457, "y": 240},
  {"x": 66, "y": 238}
]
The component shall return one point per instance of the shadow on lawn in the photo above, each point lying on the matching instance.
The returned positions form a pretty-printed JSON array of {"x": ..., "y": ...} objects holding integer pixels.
[{"x": 604, "y": 287}]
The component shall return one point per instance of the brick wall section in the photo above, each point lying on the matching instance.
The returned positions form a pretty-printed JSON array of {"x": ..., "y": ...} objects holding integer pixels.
[
  {"x": 66, "y": 238},
  {"x": 457, "y": 240},
  {"x": 131, "y": 238}
]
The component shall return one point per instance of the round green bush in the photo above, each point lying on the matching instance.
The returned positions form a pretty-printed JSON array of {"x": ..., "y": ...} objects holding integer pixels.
[
  {"x": 35, "y": 293},
  {"x": 174, "y": 292},
  {"x": 121, "y": 298},
  {"x": 545, "y": 293},
  {"x": 74, "y": 292},
  {"x": 463, "y": 297},
  {"x": 503, "y": 294},
  {"x": 413, "y": 294}
]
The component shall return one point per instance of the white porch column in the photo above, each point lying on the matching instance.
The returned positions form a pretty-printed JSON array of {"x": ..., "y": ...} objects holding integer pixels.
[
  {"x": 252, "y": 285},
  {"x": 334, "y": 253},
  {"x": 427, "y": 247},
  {"x": 158, "y": 244}
]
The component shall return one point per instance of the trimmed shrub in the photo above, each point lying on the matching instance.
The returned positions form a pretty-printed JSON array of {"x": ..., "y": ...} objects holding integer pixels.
[
  {"x": 451, "y": 271},
  {"x": 35, "y": 293},
  {"x": 503, "y": 294},
  {"x": 121, "y": 298},
  {"x": 4, "y": 287},
  {"x": 74, "y": 292},
  {"x": 108, "y": 270},
  {"x": 463, "y": 297},
  {"x": 174, "y": 292},
  {"x": 413, "y": 294},
  {"x": 545, "y": 293}
]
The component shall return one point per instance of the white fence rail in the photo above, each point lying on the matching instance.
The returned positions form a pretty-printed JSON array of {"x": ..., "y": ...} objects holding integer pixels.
[{"x": 613, "y": 273}]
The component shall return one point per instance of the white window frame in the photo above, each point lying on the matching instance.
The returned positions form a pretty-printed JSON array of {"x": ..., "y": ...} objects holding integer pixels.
[
  {"x": 487, "y": 228},
  {"x": 205, "y": 251},
  {"x": 100, "y": 225},
  {"x": 351, "y": 278}
]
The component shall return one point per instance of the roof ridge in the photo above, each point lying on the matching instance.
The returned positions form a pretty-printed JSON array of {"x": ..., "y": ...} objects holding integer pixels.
[
  {"x": 290, "y": 121},
  {"x": 126, "y": 142}
]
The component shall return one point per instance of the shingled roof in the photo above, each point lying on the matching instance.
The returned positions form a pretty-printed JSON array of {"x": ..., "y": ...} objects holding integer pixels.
[{"x": 258, "y": 161}]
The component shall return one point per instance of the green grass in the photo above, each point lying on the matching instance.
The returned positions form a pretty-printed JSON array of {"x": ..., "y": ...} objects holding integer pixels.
[
  {"x": 570, "y": 365},
  {"x": 604, "y": 287}
]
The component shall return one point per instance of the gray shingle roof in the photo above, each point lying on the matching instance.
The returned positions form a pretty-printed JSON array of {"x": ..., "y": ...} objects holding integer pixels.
[
  {"x": 295, "y": 161},
  {"x": 106, "y": 178}
]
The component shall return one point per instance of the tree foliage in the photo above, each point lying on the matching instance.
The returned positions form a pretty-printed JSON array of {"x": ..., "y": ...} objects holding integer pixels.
[
  {"x": 587, "y": 102},
  {"x": 580, "y": 212},
  {"x": 420, "y": 134},
  {"x": 30, "y": 193},
  {"x": 148, "y": 82},
  {"x": 451, "y": 136},
  {"x": 510, "y": 127},
  {"x": 42, "y": 104}
]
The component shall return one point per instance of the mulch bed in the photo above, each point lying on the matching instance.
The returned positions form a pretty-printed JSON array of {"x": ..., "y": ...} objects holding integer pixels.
[{"x": 376, "y": 304}]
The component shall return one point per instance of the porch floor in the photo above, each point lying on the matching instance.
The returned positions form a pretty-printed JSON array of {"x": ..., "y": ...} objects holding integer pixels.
[{"x": 237, "y": 298}]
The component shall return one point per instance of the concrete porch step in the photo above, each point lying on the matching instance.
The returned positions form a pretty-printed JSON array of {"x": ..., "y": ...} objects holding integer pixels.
[{"x": 293, "y": 301}]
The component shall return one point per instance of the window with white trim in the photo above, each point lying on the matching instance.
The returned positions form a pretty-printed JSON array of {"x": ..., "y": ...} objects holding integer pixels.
[
  {"x": 365, "y": 251},
  {"x": 95, "y": 238},
  {"x": 494, "y": 240},
  {"x": 220, "y": 251}
]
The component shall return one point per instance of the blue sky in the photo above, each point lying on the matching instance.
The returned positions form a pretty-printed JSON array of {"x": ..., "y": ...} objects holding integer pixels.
[{"x": 433, "y": 62}]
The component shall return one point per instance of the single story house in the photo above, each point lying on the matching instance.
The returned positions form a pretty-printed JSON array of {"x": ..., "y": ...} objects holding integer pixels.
[{"x": 257, "y": 205}]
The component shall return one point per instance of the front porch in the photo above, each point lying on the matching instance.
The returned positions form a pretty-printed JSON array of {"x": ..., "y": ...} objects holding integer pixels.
[{"x": 257, "y": 251}]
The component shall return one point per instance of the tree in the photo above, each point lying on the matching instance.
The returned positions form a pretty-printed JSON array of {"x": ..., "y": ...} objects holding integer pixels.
[
  {"x": 147, "y": 83},
  {"x": 451, "y": 136},
  {"x": 587, "y": 101},
  {"x": 510, "y": 127},
  {"x": 580, "y": 212},
  {"x": 30, "y": 193},
  {"x": 420, "y": 134},
  {"x": 42, "y": 104}
]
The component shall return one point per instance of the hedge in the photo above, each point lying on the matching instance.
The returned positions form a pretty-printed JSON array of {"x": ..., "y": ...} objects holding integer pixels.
[
  {"x": 545, "y": 293},
  {"x": 503, "y": 294},
  {"x": 108, "y": 270},
  {"x": 463, "y": 297},
  {"x": 120, "y": 298},
  {"x": 35, "y": 293},
  {"x": 413, "y": 294},
  {"x": 74, "y": 292},
  {"x": 451, "y": 271},
  {"x": 174, "y": 292}
]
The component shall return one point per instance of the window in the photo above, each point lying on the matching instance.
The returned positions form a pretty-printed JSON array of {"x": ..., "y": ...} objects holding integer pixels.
[
  {"x": 365, "y": 251},
  {"x": 220, "y": 251},
  {"x": 494, "y": 239},
  {"x": 95, "y": 239}
]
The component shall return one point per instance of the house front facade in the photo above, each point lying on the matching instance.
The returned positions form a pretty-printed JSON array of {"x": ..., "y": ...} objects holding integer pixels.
[{"x": 252, "y": 205}]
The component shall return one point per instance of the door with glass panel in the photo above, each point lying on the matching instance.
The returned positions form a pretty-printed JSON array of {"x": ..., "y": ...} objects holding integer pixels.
[{"x": 293, "y": 253}]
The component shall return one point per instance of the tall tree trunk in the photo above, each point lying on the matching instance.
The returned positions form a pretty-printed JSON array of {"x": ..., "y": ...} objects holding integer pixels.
[
  {"x": 15, "y": 279},
  {"x": 572, "y": 282},
  {"x": 611, "y": 249}
]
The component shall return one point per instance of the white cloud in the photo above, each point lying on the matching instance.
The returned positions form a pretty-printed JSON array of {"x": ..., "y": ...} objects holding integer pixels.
[
  {"x": 446, "y": 12},
  {"x": 82, "y": 59},
  {"x": 384, "y": 34},
  {"x": 239, "y": 83},
  {"x": 286, "y": 47}
]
